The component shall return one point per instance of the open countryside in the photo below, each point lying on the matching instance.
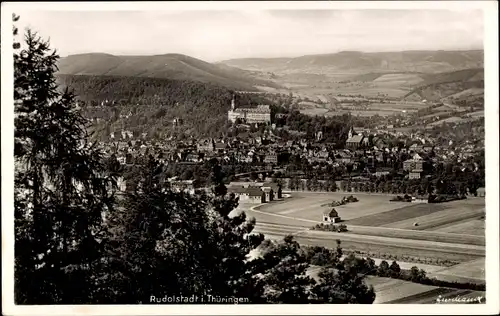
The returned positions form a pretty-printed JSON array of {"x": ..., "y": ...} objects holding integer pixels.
[{"x": 380, "y": 228}]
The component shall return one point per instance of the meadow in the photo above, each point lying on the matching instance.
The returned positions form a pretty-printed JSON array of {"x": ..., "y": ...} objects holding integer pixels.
[
  {"x": 309, "y": 205},
  {"x": 448, "y": 215},
  {"x": 401, "y": 79},
  {"x": 473, "y": 226},
  {"x": 453, "y": 119},
  {"x": 471, "y": 271},
  {"x": 411, "y": 293},
  {"x": 395, "y": 215}
]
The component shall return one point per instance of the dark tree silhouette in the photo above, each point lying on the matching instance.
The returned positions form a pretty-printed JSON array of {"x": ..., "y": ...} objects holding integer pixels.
[{"x": 61, "y": 191}]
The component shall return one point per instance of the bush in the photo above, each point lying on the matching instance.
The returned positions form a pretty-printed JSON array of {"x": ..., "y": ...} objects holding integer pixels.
[{"x": 330, "y": 228}]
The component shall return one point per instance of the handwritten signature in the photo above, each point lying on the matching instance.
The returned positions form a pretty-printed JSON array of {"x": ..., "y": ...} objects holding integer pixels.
[{"x": 458, "y": 299}]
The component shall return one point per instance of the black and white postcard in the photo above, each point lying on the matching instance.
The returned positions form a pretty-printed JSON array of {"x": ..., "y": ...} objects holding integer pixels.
[{"x": 250, "y": 157}]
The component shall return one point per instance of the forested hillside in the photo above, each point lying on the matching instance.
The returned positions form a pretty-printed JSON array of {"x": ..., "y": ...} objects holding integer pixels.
[{"x": 150, "y": 104}]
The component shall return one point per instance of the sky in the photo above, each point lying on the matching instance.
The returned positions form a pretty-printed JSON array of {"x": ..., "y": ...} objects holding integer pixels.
[{"x": 220, "y": 35}]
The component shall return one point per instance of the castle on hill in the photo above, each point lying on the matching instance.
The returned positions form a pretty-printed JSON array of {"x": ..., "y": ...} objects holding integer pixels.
[{"x": 260, "y": 114}]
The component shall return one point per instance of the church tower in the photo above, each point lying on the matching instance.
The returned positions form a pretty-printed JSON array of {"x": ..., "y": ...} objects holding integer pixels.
[
  {"x": 232, "y": 104},
  {"x": 351, "y": 130}
]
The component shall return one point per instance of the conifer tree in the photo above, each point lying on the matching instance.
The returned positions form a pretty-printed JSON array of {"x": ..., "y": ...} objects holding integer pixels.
[{"x": 61, "y": 192}]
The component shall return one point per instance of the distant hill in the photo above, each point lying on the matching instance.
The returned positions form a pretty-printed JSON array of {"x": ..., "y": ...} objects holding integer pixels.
[
  {"x": 444, "y": 85},
  {"x": 360, "y": 62},
  {"x": 169, "y": 66},
  {"x": 465, "y": 75}
]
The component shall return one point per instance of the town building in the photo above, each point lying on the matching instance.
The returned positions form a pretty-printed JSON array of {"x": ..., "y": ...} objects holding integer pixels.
[
  {"x": 354, "y": 141},
  {"x": 331, "y": 216},
  {"x": 269, "y": 193},
  {"x": 276, "y": 189},
  {"x": 221, "y": 147},
  {"x": 382, "y": 172},
  {"x": 260, "y": 114},
  {"x": 249, "y": 194},
  {"x": 183, "y": 186},
  {"x": 413, "y": 165},
  {"x": 271, "y": 158},
  {"x": 344, "y": 157},
  {"x": 416, "y": 147},
  {"x": 206, "y": 145},
  {"x": 415, "y": 175}
]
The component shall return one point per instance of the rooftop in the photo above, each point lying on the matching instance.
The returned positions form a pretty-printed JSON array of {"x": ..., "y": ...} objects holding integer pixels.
[
  {"x": 355, "y": 139},
  {"x": 331, "y": 213}
]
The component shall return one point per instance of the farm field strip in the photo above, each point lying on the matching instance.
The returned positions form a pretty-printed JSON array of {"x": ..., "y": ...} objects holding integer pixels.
[
  {"x": 393, "y": 291},
  {"x": 473, "y": 227},
  {"x": 410, "y": 243},
  {"x": 435, "y": 114},
  {"x": 474, "y": 269},
  {"x": 394, "y": 249},
  {"x": 399, "y": 105},
  {"x": 300, "y": 221},
  {"x": 275, "y": 231},
  {"x": 267, "y": 224},
  {"x": 456, "y": 278},
  {"x": 453, "y": 119},
  {"x": 329, "y": 239},
  {"x": 262, "y": 217},
  {"x": 396, "y": 215},
  {"x": 418, "y": 235},
  {"x": 438, "y": 219},
  {"x": 263, "y": 226},
  {"x": 387, "y": 290},
  {"x": 477, "y": 113},
  {"x": 308, "y": 205}
]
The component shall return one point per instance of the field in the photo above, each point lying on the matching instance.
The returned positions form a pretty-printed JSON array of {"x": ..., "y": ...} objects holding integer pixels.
[
  {"x": 379, "y": 226},
  {"x": 453, "y": 119},
  {"x": 308, "y": 205},
  {"x": 366, "y": 89},
  {"x": 392, "y": 291},
  {"x": 359, "y": 113},
  {"x": 447, "y": 237},
  {"x": 314, "y": 111},
  {"x": 395, "y": 215},
  {"x": 476, "y": 114},
  {"x": 398, "y": 79},
  {"x": 377, "y": 211},
  {"x": 398, "y": 106},
  {"x": 450, "y": 212},
  {"x": 435, "y": 114},
  {"x": 468, "y": 92},
  {"x": 472, "y": 271},
  {"x": 470, "y": 226}
]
